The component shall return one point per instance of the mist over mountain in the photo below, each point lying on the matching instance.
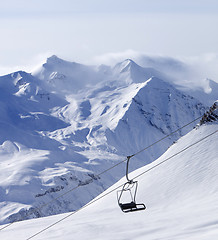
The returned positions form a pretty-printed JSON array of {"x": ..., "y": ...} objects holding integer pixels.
[{"x": 66, "y": 122}]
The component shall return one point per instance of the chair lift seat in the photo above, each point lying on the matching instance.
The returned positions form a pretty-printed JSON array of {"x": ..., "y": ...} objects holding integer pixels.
[
  {"x": 127, "y": 205},
  {"x": 131, "y": 207}
]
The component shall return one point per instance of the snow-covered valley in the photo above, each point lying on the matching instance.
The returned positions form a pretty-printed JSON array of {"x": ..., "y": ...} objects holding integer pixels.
[{"x": 65, "y": 123}]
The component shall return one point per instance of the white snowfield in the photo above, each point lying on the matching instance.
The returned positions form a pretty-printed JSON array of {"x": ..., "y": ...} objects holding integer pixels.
[
  {"x": 66, "y": 123},
  {"x": 181, "y": 196}
]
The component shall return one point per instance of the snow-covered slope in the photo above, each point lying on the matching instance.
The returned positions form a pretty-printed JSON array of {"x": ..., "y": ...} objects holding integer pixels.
[
  {"x": 156, "y": 110},
  {"x": 180, "y": 194},
  {"x": 207, "y": 97},
  {"x": 66, "y": 77},
  {"x": 26, "y": 110},
  {"x": 128, "y": 71},
  {"x": 59, "y": 133}
]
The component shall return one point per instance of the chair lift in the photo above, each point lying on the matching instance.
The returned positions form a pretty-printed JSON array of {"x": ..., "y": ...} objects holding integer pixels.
[{"x": 131, "y": 187}]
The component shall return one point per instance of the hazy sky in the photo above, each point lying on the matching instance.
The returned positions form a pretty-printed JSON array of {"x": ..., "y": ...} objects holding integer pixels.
[{"x": 83, "y": 30}]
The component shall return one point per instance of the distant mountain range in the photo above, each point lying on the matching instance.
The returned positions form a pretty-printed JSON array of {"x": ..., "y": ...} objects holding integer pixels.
[{"x": 66, "y": 122}]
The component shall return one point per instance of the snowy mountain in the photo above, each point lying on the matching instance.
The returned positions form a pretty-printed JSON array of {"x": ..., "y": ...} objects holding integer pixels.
[
  {"x": 65, "y": 77},
  {"x": 207, "y": 97},
  {"x": 130, "y": 72},
  {"x": 26, "y": 110},
  {"x": 179, "y": 189},
  {"x": 184, "y": 76},
  {"x": 65, "y": 123}
]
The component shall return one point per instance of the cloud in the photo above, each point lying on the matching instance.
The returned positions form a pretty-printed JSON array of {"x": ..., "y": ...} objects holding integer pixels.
[
  {"x": 115, "y": 57},
  {"x": 191, "y": 71},
  {"x": 206, "y": 65},
  {"x": 34, "y": 63}
]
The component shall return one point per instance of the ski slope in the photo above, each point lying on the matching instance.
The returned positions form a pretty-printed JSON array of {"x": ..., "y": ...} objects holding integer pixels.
[{"x": 180, "y": 194}]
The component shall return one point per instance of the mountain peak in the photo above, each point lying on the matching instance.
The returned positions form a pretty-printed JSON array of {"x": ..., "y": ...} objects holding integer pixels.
[
  {"x": 54, "y": 59},
  {"x": 127, "y": 64},
  {"x": 57, "y": 62},
  {"x": 129, "y": 61}
]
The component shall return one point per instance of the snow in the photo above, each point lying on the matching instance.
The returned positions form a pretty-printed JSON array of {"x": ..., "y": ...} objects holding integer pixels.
[
  {"x": 208, "y": 96},
  {"x": 180, "y": 195},
  {"x": 62, "y": 76},
  {"x": 66, "y": 123}
]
